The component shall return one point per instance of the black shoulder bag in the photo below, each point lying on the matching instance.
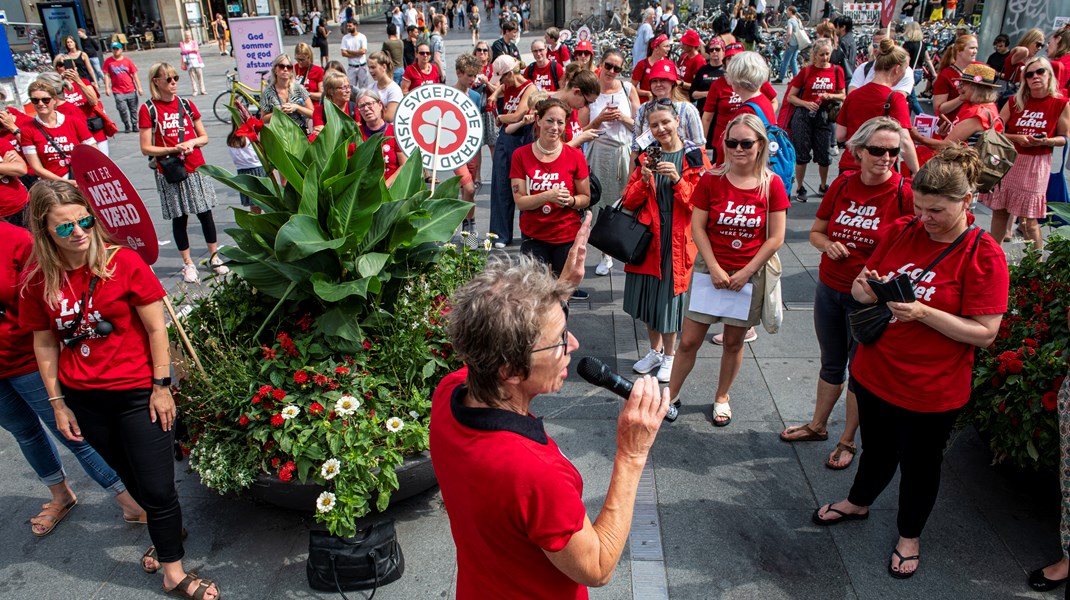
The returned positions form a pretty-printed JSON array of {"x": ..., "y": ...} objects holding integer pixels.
[
  {"x": 364, "y": 562},
  {"x": 173, "y": 166},
  {"x": 44, "y": 131},
  {"x": 867, "y": 324}
]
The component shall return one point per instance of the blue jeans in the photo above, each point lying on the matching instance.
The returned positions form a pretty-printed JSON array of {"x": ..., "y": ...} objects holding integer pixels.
[
  {"x": 23, "y": 405},
  {"x": 95, "y": 61},
  {"x": 789, "y": 60},
  {"x": 502, "y": 209},
  {"x": 398, "y": 72}
]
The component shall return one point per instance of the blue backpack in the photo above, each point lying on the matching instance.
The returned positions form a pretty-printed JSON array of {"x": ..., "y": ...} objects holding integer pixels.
[{"x": 781, "y": 150}]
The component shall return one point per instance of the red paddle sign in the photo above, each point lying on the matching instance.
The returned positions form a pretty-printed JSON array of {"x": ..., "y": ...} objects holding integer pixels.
[
  {"x": 116, "y": 203},
  {"x": 439, "y": 113}
]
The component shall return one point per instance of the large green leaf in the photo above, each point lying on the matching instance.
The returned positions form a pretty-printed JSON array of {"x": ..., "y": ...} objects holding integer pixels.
[
  {"x": 275, "y": 147},
  {"x": 267, "y": 278},
  {"x": 310, "y": 194},
  {"x": 341, "y": 123},
  {"x": 409, "y": 179},
  {"x": 353, "y": 210},
  {"x": 450, "y": 188},
  {"x": 287, "y": 133},
  {"x": 368, "y": 156},
  {"x": 342, "y": 321},
  {"x": 260, "y": 188},
  {"x": 265, "y": 225},
  {"x": 446, "y": 215},
  {"x": 330, "y": 291},
  {"x": 382, "y": 222},
  {"x": 300, "y": 237},
  {"x": 371, "y": 264},
  {"x": 251, "y": 242}
]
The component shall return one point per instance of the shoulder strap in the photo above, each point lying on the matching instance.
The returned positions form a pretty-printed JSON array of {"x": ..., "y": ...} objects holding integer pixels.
[
  {"x": 888, "y": 104},
  {"x": 553, "y": 73},
  {"x": 758, "y": 112},
  {"x": 867, "y": 68},
  {"x": 50, "y": 140},
  {"x": 899, "y": 193},
  {"x": 950, "y": 247},
  {"x": 529, "y": 71}
]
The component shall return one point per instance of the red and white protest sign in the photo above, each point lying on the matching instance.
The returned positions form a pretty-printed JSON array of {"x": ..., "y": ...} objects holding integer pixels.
[
  {"x": 115, "y": 201},
  {"x": 887, "y": 12},
  {"x": 443, "y": 123}
]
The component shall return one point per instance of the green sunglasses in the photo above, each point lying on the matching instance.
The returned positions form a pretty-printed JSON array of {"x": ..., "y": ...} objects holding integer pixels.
[{"x": 66, "y": 229}]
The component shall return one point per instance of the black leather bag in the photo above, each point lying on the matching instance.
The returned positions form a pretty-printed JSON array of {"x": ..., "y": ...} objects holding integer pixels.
[
  {"x": 620, "y": 235},
  {"x": 95, "y": 123},
  {"x": 364, "y": 562},
  {"x": 173, "y": 168},
  {"x": 867, "y": 324}
]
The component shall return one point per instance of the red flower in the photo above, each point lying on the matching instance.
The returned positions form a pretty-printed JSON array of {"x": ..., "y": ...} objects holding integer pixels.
[
  {"x": 333, "y": 385},
  {"x": 315, "y": 409},
  {"x": 289, "y": 466},
  {"x": 1008, "y": 355},
  {"x": 995, "y": 382},
  {"x": 185, "y": 450},
  {"x": 243, "y": 420},
  {"x": 269, "y": 354},
  {"x": 268, "y": 445},
  {"x": 320, "y": 379},
  {"x": 1030, "y": 342},
  {"x": 367, "y": 345},
  {"x": 264, "y": 390},
  {"x": 1002, "y": 407},
  {"x": 277, "y": 420},
  {"x": 341, "y": 371},
  {"x": 257, "y": 398},
  {"x": 275, "y": 461},
  {"x": 306, "y": 322},
  {"x": 331, "y": 416},
  {"x": 368, "y": 395},
  {"x": 300, "y": 377},
  {"x": 286, "y": 475},
  {"x": 1014, "y": 366},
  {"x": 279, "y": 394},
  {"x": 1050, "y": 400},
  {"x": 250, "y": 129}
]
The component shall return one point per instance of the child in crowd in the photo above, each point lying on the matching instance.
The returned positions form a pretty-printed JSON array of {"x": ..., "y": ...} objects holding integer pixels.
[{"x": 246, "y": 161}]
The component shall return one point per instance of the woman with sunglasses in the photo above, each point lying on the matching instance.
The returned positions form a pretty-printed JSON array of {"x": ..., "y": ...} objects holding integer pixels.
[
  {"x": 1029, "y": 45},
  {"x": 663, "y": 86},
  {"x": 423, "y": 71},
  {"x": 914, "y": 379},
  {"x": 584, "y": 55},
  {"x": 106, "y": 369},
  {"x": 490, "y": 128},
  {"x": 308, "y": 73},
  {"x": 76, "y": 98},
  {"x": 373, "y": 121},
  {"x": 978, "y": 92},
  {"x": 381, "y": 69},
  {"x": 811, "y": 92},
  {"x": 707, "y": 73},
  {"x": 659, "y": 190},
  {"x": 739, "y": 221},
  {"x": 855, "y": 213},
  {"x": 48, "y": 141},
  {"x": 338, "y": 91},
  {"x": 284, "y": 93},
  {"x": 171, "y": 126},
  {"x": 510, "y": 102},
  {"x": 956, "y": 58},
  {"x": 1037, "y": 120}
]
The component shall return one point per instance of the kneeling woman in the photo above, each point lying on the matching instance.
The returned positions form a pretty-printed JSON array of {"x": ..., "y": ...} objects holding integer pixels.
[
  {"x": 550, "y": 184},
  {"x": 106, "y": 369},
  {"x": 733, "y": 250},
  {"x": 655, "y": 292}
]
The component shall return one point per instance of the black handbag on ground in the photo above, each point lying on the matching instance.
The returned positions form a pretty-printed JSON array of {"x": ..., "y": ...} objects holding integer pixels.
[
  {"x": 620, "y": 235},
  {"x": 363, "y": 562}
]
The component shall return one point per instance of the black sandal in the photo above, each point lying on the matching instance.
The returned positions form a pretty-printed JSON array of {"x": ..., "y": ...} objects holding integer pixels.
[{"x": 816, "y": 518}]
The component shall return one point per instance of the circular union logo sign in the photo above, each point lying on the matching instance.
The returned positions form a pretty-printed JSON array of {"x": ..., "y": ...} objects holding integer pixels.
[{"x": 439, "y": 113}]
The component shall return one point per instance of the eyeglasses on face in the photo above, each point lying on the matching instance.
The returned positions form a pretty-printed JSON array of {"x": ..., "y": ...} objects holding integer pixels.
[
  {"x": 424, "y": 53},
  {"x": 169, "y": 79},
  {"x": 1032, "y": 74},
  {"x": 44, "y": 100},
  {"x": 612, "y": 67},
  {"x": 879, "y": 151},
  {"x": 65, "y": 230},
  {"x": 745, "y": 144},
  {"x": 564, "y": 335},
  {"x": 286, "y": 66},
  {"x": 482, "y": 50},
  {"x": 367, "y": 105}
]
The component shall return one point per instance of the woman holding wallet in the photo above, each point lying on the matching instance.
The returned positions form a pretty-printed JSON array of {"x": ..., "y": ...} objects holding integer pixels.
[
  {"x": 739, "y": 222},
  {"x": 100, "y": 340},
  {"x": 913, "y": 380},
  {"x": 659, "y": 190}
]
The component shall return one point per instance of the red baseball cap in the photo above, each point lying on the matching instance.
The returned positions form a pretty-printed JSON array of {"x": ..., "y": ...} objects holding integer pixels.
[
  {"x": 584, "y": 46},
  {"x": 664, "y": 69},
  {"x": 733, "y": 49},
  {"x": 691, "y": 38}
]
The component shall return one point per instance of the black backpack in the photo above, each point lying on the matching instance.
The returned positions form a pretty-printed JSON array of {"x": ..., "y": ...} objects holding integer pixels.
[
  {"x": 529, "y": 73},
  {"x": 663, "y": 25}
]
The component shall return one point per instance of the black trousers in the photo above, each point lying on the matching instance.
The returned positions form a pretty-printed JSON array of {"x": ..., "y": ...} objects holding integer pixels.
[
  {"x": 912, "y": 441},
  {"x": 554, "y": 255},
  {"x": 117, "y": 425}
]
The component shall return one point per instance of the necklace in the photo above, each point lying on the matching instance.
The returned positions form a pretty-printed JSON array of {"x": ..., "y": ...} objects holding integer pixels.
[{"x": 539, "y": 147}]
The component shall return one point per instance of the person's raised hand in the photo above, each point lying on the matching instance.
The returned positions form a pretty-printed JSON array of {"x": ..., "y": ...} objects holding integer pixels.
[
  {"x": 641, "y": 417},
  {"x": 573, "y": 270}
]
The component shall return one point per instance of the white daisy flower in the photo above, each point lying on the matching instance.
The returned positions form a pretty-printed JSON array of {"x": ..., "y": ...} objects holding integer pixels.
[
  {"x": 346, "y": 405},
  {"x": 330, "y": 468},
  {"x": 325, "y": 503},
  {"x": 450, "y": 246},
  {"x": 492, "y": 236},
  {"x": 394, "y": 424},
  {"x": 290, "y": 412}
]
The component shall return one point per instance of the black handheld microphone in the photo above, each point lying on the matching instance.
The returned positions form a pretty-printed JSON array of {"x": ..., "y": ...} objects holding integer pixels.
[
  {"x": 598, "y": 373},
  {"x": 103, "y": 329}
]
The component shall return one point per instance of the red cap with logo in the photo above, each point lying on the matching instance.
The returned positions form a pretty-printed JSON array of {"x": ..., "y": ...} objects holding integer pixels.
[
  {"x": 733, "y": 49},
  {"x": 584, "y": 46},
  {"x": 664, "y": 69}
]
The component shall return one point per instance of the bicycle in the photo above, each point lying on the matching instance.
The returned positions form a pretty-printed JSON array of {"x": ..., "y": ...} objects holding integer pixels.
[{"x": 238, "y": 92}]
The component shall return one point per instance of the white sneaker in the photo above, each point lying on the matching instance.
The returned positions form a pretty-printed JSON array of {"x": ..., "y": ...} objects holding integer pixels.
[
  {"x": 218, "y": 266},
  {"x": 189, "y": 273},
  {"x": 665, "y": 370},
  {"x": 648, "y": 363},
  {"x": 605, "y": 266},
  {"x": 834, "y": 150},
  {"x": 749, "y": 337},
  {"x": 499, "y": 245}
]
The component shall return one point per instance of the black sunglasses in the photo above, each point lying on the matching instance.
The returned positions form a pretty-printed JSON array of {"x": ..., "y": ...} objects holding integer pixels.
[
  {"x": 879, "y": 151},
  {"x": 65, "y": 230},
  {"x": 1032, "y": 74},
  {"x": 41, "y": 100},
  {"x": 424, "y": 53},
  {"x": 564, "y": 335},
  {"x": 286, "y": 66},
  {"x": 482, "y": 50},
  {"x": 171, "y": 79},
  {"x": 745, "y": 144},
  {"x": 613, "y": 67}
]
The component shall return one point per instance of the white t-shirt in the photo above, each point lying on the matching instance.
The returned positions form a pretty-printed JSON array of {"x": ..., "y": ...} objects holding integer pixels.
[
  {"x": 759, "y": 6},
  {"x": 244, "y": 157},
  {"x": 391, "y": 93},
  {"x": 860, "y": 78},
  {"x": 411, "y": 17},
  {"x": 358, "y": 41}
]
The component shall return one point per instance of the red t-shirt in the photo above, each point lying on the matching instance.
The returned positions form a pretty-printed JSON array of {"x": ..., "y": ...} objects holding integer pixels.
[
  {"x": 75, "y": 97},
  {"x": 736, "y": 224},
  {"x": 865, "y": 103},
  {"x": 1061, "y": 66},
  {"x": 549, "y": 223},
  {"x": 765, "y": 104},
  {"x": 122, "y": 74},
  {"x": 1039, "y": 117},
  {"x": 914, "y": 366},
  {"x": 167, "y": 118},
  {"x": 858, "y": 215},
  {"x": 119, "y": 361},
  {"x": 544, "y": 79},
  {"x": 947, "y": 82},
  {"x": 561, "y": 54},
  {"x": 509, "y": 102},
  {"x": 312, "y": 80},
  {"x": 390, "y": 147},
  {"x": 13, "y": 196},
  {"x": 688, "y": 66},
  {"x": 641, "y": 74},
  {"x": 510, "y": 494},
  {"x": 16, "y": 343},
  {"x": 812, "y": 81},
  {"x": 68, "y": 133},
  {"x": 987, "y": 114},
  {"x": 723, "y": 103},
  {"x": 573, "y": 127},
  {"x": 319, "y": 115},
  {"x": 418, "y": 77}
]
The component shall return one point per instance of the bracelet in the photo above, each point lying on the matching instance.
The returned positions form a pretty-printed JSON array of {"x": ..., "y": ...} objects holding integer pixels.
[
  {"x": 54, "y": 398},
  {"x": 168, "y": 365}
]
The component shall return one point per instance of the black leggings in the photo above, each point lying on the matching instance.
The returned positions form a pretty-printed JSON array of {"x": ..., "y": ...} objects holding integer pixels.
[
  {"x": 912, "y": 441},
  {"x": 554, "y": 255},
  {"x": 178, "y": 229},
  {"x": 117, "y": 425}
]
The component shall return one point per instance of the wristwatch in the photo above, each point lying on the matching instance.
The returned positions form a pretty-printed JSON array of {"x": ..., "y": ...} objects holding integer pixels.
[{"x": 166, "y": 381}]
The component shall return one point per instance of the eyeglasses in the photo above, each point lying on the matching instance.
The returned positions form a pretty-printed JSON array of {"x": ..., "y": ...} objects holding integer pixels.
[
  {"x": 424, "y": 53},
  {"x": 287, "y": 66},
  {"x": 65, "y": 230},
  {"x": 613, "y": 67},
  {"x": 745, "y": 144},
  {"x": 564, "y": 335},
  {"x": 879, "y": 151},
  {"x": 482, "y": 50},
  {"x": 45, "y": 100},
  {"x": 1032, "y": 74},
  {"x": 171, "y": 79},
  {"x": 716, "y": 49},
  {"x": 367, "y": 104}
]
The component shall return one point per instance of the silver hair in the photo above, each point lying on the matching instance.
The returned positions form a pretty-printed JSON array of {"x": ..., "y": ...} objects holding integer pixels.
[{"x": 747, "y": 70}]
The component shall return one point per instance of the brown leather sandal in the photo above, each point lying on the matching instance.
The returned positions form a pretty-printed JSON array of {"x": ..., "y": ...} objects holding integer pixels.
[
  {"x": 198, "y": 593},
  {"x": 836, "y": 454},
  {"x": 809, "y": 435},
  {"x": 50, "y": 516}
]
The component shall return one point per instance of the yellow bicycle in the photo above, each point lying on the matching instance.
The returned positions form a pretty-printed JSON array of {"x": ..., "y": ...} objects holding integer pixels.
[{"x": 238, "y": 92}]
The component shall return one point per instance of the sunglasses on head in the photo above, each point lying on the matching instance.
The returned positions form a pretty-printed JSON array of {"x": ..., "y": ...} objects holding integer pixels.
[
  {"x": 879, "y": 151},
  {"x": 745, "y": 144},
  {"x": 1032, "y": 74},
  {"x": 64, "y": 230},
  {"x": 45, "y": 100},
  {"x": 613, "y": 67}
]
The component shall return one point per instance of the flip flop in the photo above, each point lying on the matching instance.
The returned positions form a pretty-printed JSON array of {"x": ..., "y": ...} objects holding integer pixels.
[
  {"x": 840, "y": 449},
  {"x": 809, "y": 436},
  {"x": 903, "y": 559},
  {"x": 816, "y": 518},
  {"x": 198, "y": 593},
  {"x": 50, "y": 516},
  {"x": 723, "y": 410}
]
